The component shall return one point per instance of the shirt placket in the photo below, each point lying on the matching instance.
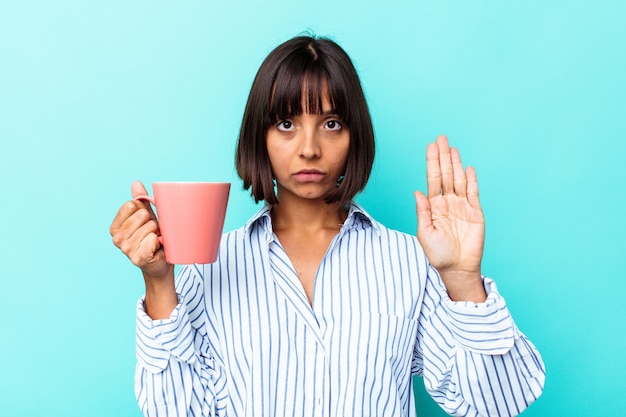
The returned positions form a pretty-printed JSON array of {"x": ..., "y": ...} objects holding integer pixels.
[{"x": 320, "y": 377}]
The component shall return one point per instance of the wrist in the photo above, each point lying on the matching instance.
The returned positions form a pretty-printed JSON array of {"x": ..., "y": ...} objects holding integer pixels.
[
  {"x": 464, "y": 285},
  {"x": 161, "y": 297}
]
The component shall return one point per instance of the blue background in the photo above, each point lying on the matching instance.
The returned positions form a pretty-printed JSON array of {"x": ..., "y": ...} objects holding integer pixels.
[{"x": 94, "y": 95}]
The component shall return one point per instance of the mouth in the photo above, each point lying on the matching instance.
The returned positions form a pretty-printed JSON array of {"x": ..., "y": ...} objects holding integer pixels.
[{"x": 309, "y": 175}]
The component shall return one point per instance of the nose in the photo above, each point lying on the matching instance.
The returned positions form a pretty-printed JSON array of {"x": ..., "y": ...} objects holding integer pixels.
[{"x": 309, "y": 144}]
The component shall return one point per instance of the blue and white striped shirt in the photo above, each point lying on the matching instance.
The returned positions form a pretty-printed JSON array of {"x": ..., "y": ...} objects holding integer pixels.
[{"x": 244, "y": 340}]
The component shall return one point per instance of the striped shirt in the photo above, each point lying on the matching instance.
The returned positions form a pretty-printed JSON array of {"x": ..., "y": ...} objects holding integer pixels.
[{"x": 245, "y": 341}]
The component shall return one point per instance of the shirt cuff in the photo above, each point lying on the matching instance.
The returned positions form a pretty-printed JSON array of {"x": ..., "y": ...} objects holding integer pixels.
[
  {"x": 158, "y": 340},
  {"x": 485, "y": 328}
]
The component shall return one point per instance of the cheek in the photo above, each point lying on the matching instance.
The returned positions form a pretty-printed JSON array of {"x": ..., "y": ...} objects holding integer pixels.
[
  {"x": 273, "y": 151},
  {"x": 274, "y": 163},
  {"x": 278, "y": 159},
  {"x": 342, "y": 153}
]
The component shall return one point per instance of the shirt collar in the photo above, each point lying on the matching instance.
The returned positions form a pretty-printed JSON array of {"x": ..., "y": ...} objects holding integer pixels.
[
  {"x": 356, "y": 216},
  {"x": 262, "y": 218}
]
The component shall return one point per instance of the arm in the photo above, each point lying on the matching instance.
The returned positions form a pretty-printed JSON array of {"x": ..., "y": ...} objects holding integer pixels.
[
  {"x": 176, "y": 373},
  {"x": 475, "y": 361},
  {"x": 135, "y": 231},
  {"x": 473, "y": 358}
]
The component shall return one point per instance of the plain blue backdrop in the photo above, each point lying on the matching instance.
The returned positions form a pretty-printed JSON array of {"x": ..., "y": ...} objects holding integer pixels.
[{"x": 94, "y": 95}]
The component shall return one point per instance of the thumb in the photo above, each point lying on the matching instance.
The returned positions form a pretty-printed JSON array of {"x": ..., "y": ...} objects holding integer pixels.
[
  {"x": 424, "y": 214},
  {"x": 138, "y": 189}
]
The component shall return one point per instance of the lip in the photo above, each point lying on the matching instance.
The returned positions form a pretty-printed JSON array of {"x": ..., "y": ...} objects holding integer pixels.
[{"x": 309, "y": 175}]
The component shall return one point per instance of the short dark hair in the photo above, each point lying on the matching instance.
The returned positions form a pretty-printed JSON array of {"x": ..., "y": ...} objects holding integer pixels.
[{"x": 312, "y": 64}]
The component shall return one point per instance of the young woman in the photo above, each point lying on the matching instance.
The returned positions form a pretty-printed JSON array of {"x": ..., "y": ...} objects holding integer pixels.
[{"x": 313, "y": 307}]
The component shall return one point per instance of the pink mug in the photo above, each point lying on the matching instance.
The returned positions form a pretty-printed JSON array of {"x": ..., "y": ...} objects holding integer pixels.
[{"x": 191, "y": 219}]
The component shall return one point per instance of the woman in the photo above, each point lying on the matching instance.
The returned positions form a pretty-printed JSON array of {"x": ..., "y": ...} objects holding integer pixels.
[{"x": 313, "y": 307}]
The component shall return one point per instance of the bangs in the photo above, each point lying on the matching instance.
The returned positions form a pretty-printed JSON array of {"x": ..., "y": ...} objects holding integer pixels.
[{"x": 304, "y": 77}]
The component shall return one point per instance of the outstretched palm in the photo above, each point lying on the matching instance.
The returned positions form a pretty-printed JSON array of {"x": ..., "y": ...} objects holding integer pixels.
[{"x": 451, "y": 226}]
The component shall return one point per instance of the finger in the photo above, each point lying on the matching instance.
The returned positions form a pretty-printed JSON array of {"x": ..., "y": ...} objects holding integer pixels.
[
  {"x": 460, "y": 181},
  {"x": 144, "y": 246},
  {"x": 130, "y": 207},
  {"x": 137, "y": 188},
  {"x": 424, "y": 214},
  {"x": 445, "y": 162},
  {"x": 124, "y": 213},
  {"x": 131, "y": 240},
  {"x": 133, "y": 215},
  {"x": 433, "y": 170},
  {"x": 139, "y": 220},
  {"x": 472, "y": 187}
]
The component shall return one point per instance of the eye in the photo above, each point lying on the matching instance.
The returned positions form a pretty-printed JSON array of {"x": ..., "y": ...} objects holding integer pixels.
[
  {"x": 284, "y": 126},
  {"x": 333, "y": 125}
]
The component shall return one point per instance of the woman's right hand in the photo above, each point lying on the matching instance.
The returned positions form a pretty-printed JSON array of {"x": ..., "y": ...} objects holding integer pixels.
[{"x": 135, "y": 231}]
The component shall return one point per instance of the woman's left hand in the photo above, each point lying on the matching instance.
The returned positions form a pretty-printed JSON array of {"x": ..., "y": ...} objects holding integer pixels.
[{"x": 451, "y": 225}]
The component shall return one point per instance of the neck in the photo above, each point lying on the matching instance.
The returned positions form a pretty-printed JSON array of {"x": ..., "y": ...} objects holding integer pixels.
[{"x": 309, "y": 215}]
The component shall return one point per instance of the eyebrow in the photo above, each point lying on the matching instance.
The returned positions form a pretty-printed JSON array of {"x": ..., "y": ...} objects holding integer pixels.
[{"x": 331, "y": 112}]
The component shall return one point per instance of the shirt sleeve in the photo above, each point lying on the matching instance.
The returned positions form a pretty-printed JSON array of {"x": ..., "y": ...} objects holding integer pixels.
[
  {"x": 176, "y": 373},
  {"x": 474, "y": 359}
]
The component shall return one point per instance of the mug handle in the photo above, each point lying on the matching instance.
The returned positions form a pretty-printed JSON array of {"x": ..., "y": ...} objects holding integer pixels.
[{"x": 144, "y": 197}]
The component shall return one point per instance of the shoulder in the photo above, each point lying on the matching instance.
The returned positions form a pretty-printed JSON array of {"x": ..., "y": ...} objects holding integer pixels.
[
  {"x": 246, "y": 242},
  {"x": 386, "y": 236},
  {"x": 360, "y": 215},
  {"x": 256, "y": 227},
  {"x": 398, "y": 240}
]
